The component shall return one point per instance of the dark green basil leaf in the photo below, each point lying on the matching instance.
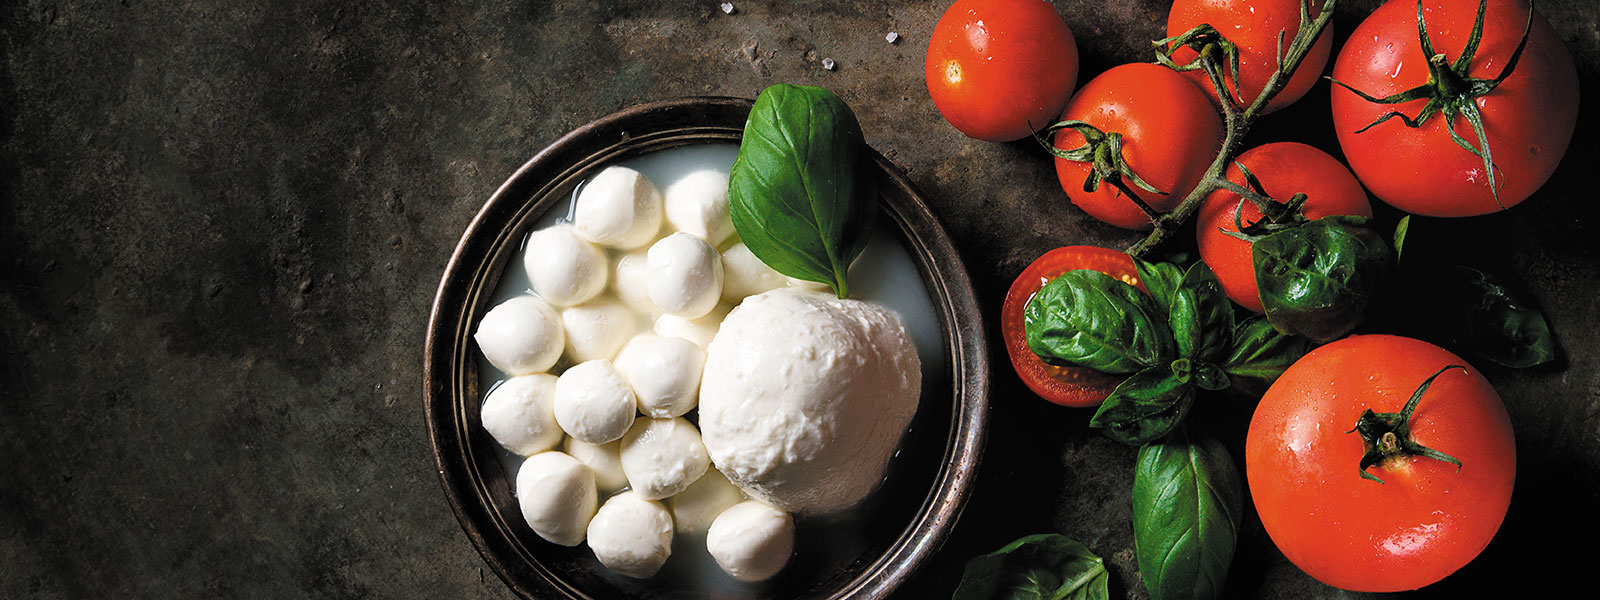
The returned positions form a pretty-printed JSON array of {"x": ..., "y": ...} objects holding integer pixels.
[
  {"x": 1187, "y": 502},
  {"x": 1201, "y": 315},
  {"x": 1260, "y": 354},
  {"x": 1161, "y": 280},
  {"x": 801, "y": 193},
  {"x": 1317, "y": 279},
  {"x": 1088, "y": 319},
  {"x": 1200, "y": 374},
  {"x": 1144, "y": 407},
  {"x": 1036, "y": 567},
  {"x": 1488, "y": 320}
]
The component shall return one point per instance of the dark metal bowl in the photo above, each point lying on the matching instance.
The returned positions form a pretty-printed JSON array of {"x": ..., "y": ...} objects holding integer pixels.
[{"x": 863, "y": 555}]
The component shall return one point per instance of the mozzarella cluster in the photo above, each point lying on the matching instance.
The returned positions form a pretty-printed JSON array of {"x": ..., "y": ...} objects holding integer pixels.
[{"x": 603, "y": 362}]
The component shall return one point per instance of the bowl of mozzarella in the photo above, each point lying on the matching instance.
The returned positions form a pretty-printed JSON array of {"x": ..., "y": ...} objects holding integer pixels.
[{"x": 626, "y": 402}]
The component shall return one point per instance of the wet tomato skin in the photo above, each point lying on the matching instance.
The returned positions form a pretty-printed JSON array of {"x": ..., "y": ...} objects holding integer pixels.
[
  {"x": 1067, "y": 386},
  {"x": 1253, "y": 26},
  {"x": 998, "y": 70}
]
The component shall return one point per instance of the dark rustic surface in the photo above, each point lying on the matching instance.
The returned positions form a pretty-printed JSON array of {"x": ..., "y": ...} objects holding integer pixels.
[{"x": 221, "y": 225}]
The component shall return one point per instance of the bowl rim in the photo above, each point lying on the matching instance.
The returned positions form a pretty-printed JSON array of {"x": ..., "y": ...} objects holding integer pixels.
[{"x": 505, "y": 215}]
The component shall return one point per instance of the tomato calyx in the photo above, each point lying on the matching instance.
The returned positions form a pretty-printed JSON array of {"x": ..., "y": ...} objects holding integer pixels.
[
  {"x": 1103, "y": 152},
  {"x": 1451, "y": 91},
  {"x": 1210, "y": 48},
  {"x": 1388, "y": 435},
  {"x": 1276, "y": 216}
]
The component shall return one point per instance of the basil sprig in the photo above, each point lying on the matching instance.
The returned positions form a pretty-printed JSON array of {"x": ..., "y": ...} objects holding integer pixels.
[
  {"x": 1180, "y": 337},
  {"x": 1187, "y": 501},
  {"x": 802, "y": 193},
  {"x": 1318, "y": 279},
  {"x": 1037, "y": 567}
]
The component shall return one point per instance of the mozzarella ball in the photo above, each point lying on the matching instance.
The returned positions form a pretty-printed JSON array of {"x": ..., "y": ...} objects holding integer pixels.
[
  {"x": 630, "y": 351},
  {"x": 557, "y": 496},
  {"x": 520, "y": 414},
  {"x": 695, "y": 508},
  {"x": 664, "y": 373},
  {"x": 630, "y": 282},
  {"x": 700, "y": 331},
  {"x": 563, "y": 268},
  {"x": 697, "y": 205},
  {"x": 663, "y": 456},
  {"x": 631, "y": 535},
  {"x": 684, "y": 275},
  {"x": 597, "y": 329},
  {"x": 745, "y": 275},
  {"x": 521, "y": 336},
  {"x": 618, "y": 208},
  {"x": 593, "y": 403},
  {"x": 603, "y": 459},
  {"x": 751, "y": 541}
]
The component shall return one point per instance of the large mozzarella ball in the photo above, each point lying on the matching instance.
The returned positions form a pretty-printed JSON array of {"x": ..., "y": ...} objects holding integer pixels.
[
  {"x": 745, "y": 275},
  {"x": 604, "y": 459},
  {"x": 630, "y": 281},
  {"x": 597, "y": 329},
  {"x": 697, "y": 205},
  {"x": 557, "y": 496},
  {"x": 700, "y": 330},
  {"x": 520, "y": 336},
  {"x": 631, "y": 535},
  {"x": 685, "y": 275},
  {"x": 563, "y": 268},
  {"x": 695, "y": 508},
  {"x": 593, "y": 403},
  {"x": 663, "y": 456},
  {"x": 751, "y": 541},
  {"x": 664, "y": 373},
  {"x": 619, "y": 208},
  {"x": 520, "y": 414}
]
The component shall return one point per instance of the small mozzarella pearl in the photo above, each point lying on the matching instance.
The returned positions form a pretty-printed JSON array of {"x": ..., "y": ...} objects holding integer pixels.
[
  {"x": 685, "y": 276},
  {"x": 521, "y": 336},
  {"x": 563, "y": 268},
  {"x": 619, "y": 208}
]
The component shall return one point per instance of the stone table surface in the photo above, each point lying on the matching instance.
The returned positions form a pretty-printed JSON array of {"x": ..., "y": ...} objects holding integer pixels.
[{"x": 222, "y": 224}]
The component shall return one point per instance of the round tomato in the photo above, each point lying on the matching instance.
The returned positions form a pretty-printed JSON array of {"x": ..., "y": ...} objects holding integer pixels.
[
  {"x": 1253, "y": 26},
  {"x": 1067, "y": 386},
  {"x": 1284, "y": 169},
  {"x": 1427, "y": 517},
  {"x": 998, "y": 70},
  {"x": 1528, "y": 118},
  {"x": 1170, "y": 133}
]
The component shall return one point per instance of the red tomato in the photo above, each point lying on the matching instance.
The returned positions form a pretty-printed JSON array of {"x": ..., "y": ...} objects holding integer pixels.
[
  {"x": 1529, "y": 118},
  {"x": 1253, "y": 26},
  {"x": 998, "y": 70},
  {"x": 1170, "y": 133},
  {"x": 1067, "y": 386},
  {"x": 1427, "y": 518},
  {"x": 1284, "y": 169}
]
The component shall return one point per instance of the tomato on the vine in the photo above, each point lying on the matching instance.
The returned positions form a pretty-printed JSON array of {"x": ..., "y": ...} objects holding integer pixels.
[
  {"x": 1253, "y": 26},
  {"x": 1067, "y": 386},
  {"x": 1527, "y": 119},
  {"x": 1387, "y": 507},
  {"x": 1169, "y": 135},
  {"x": 1284, "y": 169},
  {"x": 998, "y": 70}
]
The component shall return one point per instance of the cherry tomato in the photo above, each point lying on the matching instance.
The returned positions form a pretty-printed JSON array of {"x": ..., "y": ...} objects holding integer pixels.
[
  {"x": 1428, "y": 517},
  {"x": 1253, "y": 26},
  {"x": 1528, "y": 118},
  {"x": 1067, "y": 386},
  {"x": 1284, "y": 169},
  {"x": 1170, "y": 133},
  {"x": 998, "y": 70}
]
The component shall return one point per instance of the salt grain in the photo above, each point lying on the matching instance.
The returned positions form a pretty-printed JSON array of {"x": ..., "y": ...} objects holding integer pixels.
[
  {"x": 892, "y": 37},
  {"x": 727, "y": 8},
  {"x": 827, "y": 63}
]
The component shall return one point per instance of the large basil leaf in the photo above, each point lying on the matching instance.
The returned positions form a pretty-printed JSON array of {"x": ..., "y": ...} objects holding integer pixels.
[
  {"x": 1187, "y": 502},
  {"x": 1161, "y": 279},
  {"x": 1088, "y": 319},
  {"x": 1317, "y": 279},
  {"x": 1201, "y": 316},
  {"x": 1144, "y": 407},
  {"x": 1484, "y": 318},
  {"x": 801, "y": 193},
  {"x": 1036, "y": 567},
  {"x": 1260, "y": 354}
]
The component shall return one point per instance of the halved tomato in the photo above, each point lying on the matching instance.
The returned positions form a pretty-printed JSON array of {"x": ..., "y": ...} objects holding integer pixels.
[{"x": 1067, "y": 386}]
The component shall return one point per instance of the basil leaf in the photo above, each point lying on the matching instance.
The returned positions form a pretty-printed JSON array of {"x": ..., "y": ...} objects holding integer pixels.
[
  {"x": 1088, "y": 319},
  {"x": 1317, "y": 279},
  {"x": 1488, "y": 320},
  {"x": 1144, "y": 407},
  {"x": 1260, "y": 354},
  {"x": 1201, "y": 315},
  {"x": 801, "y": 193},
  {"x": 1161, "y": 280},
  {"x": 1036, "y": 567},
  {"x": 1187, "y": 502},
  {"x": 1200, "y": 374}
]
